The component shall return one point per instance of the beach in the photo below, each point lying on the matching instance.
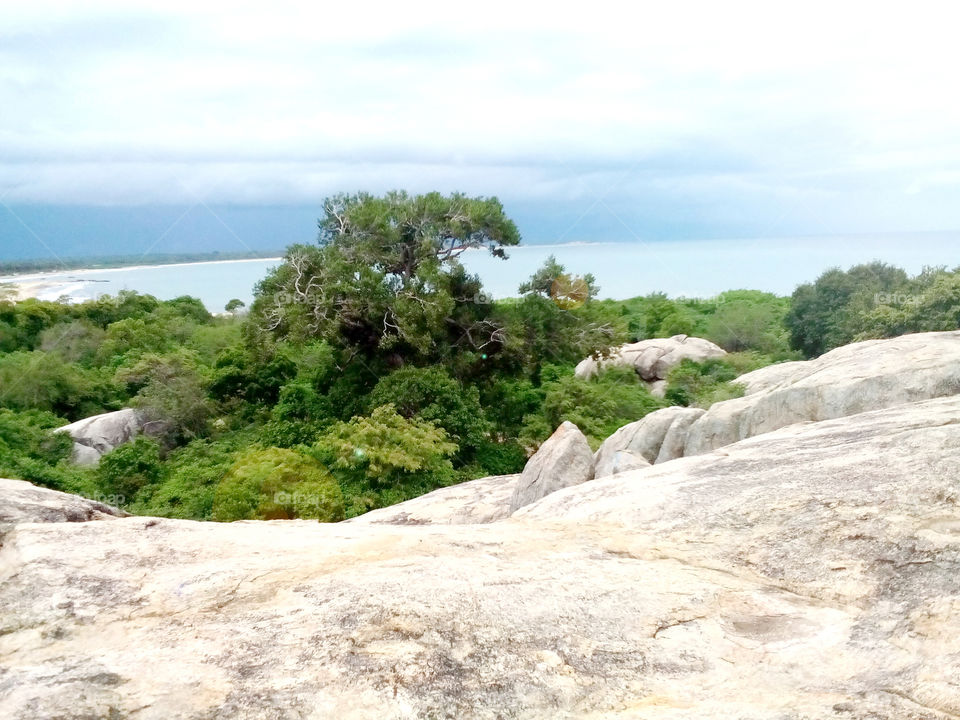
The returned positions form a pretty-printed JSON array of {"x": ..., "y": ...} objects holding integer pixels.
[{"x": 696, "y": 268}]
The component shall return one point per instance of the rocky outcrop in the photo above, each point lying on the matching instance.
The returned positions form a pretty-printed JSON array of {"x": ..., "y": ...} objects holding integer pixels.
[
  {"x": 851, "y": 379},
  {"x": 23, "y": 502},
  {"x": 652, "y": 359},
  {"x": 812, "y": 572},
  {"x": 95, "y": 436},
  {"x": 771, "y": 376},
  {"x": 477, "y": 501},
  {"x": 564, "y": 459},
  {"x": 642, "y": 442}
]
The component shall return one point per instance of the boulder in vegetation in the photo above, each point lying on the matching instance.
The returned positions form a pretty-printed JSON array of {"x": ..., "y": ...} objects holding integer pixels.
[
  {"x": 652, "y": 359},
  {"x": 565, "y": 459},
  {"x": 100, "y": 434}
]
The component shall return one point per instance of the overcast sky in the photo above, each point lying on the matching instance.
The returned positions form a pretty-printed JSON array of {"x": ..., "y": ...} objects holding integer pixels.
[{"x": 751, "y": 117}]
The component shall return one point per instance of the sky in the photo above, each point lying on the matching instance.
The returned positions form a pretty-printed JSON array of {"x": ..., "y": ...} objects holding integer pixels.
[{"x": 598, "y": 121}]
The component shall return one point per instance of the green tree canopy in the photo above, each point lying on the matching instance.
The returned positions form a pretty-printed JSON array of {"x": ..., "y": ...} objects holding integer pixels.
[
  {"x": 274, "y": 484},
  {"x": 384, "y": 281},
  {"x": 385, "y": 458},
  {"x": 825, "y": 314}
]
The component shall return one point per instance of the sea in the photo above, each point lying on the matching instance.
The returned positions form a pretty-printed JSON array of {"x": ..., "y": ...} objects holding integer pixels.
[{"x": 692, "y": 268}]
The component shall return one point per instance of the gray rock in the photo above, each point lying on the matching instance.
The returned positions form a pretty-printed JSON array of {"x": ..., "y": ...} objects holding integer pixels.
[
  {"x": 851, "y": 379},
  {"x": 639, "y": 443},
  {"x": 652, "y": 359},
  {"x": 564, "y": 459},
  {"x": 675, "y": 439},
  {"x": 96, "y": 436},
  {"x": 813, "y": 572},
  {"x": 771, "y": 376},
  {"x": 477, "y": 501},
  {"x": 84, "y": 456},
  {"x": 23, "y": 502},
  {"x": 611, "y": 461}
]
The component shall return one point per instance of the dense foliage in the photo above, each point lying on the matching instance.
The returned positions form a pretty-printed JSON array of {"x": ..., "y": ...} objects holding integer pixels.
[
  {"x": 871, "y": 301},
  {"x": 372, "y": 368}
]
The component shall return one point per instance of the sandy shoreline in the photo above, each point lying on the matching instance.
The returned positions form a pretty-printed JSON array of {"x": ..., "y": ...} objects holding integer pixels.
[
  {"x": 37, "y": 285},
  {"x": 20, "y": 277}
]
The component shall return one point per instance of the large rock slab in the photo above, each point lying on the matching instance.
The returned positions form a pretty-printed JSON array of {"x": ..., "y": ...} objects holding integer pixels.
[
  {"x": 851, "y": 379},
  {"x": 652, "y": 359},
  {"x": 639, "y": 443},
  {"x": 95, "y": 436},
  {"x": 813, "y": 572},
  {"x": 23, "y": 502},
  {"x": 564, "y": 459},
  {"x": 483, "y": 500}
]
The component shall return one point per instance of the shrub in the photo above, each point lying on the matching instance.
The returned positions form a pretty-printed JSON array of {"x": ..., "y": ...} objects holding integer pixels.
[
  {"x": 299, "y": 416},
  {"x": 276, "y": 483},
  {"x": 432, "y": 395},
  {"x": 124, "y": 471},
  {"x": 598, "y": 406},
  {"x": 30, "y": 451},
  {"x": 385, "y": 458},
  {"x": 193, "y": 473},
  {"x": 700, "y": 384}
]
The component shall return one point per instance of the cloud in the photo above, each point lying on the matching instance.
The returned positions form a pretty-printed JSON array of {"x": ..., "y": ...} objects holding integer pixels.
[{"x": 716, "y": 110}]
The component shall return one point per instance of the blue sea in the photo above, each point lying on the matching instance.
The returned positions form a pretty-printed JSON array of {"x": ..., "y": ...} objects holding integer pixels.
[{"x": 683, "y": 268}]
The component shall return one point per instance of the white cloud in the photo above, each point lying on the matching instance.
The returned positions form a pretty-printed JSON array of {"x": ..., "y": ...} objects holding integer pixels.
[{"x": 750, "y": 101}]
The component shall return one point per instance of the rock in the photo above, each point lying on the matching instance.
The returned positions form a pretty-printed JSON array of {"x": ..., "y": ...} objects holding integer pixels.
[
  {"x": 96, "y": 436},
  {"x": 768, "y": 377},
  {"x": 477, "y": 501},
  {"x": 675, "y": 440},
  {"x": 813, "y": 572},
  {"x": 652, "y": 359},
  {"x": 639, "y": 443},
  {"x": 611, "y": 461},
  {"x": 564, "y": 459},
  {"x": 851, "y": 379},
  {"x": 84, "y": 456},
  {"x": 23, "y": 502}
]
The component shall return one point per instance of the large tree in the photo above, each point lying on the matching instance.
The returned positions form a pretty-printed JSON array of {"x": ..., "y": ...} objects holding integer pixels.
[{"x": 384, "y": 281}]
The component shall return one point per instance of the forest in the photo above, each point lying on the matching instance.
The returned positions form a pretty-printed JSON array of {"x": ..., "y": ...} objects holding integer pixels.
[{"x": 372, "y": 368}]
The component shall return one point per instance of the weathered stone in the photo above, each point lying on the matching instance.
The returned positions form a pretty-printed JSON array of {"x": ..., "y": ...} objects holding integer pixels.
[
  {"x": 102, "y": 433},
  {"x": 813, "y": 572},
  {"x": 564, "y": 459},
  {"x": 23, "y": 502},
  {"x": 675, "y": 440},
  {"x": 84, "y": 456},
  {"x": 639, "y": 443},
  {"x": 771, "y": 376},
  {"x": 478, "y": 501},
  {"x": 652, "y": 359},
  {"x": 849, "y": 380}
]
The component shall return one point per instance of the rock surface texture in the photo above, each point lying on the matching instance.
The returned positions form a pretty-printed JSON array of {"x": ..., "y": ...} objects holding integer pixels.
[
  {"x": 652, "y": 359},
  {"x": 565, "y": 459},
  {"x": 23, "y": 502},
  {"x": 95, "y": 436},
  {"x": 478, "y": 501},
  {"x": 658, "y": 437},
  {"x": 812, "y": 572},
  {"x": 851, "y": 379}
]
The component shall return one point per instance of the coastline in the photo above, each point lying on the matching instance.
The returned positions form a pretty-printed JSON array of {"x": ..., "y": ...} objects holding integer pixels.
[
  {"x": 39, "y": 285},
  {"x": 20, "y": 277}
]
